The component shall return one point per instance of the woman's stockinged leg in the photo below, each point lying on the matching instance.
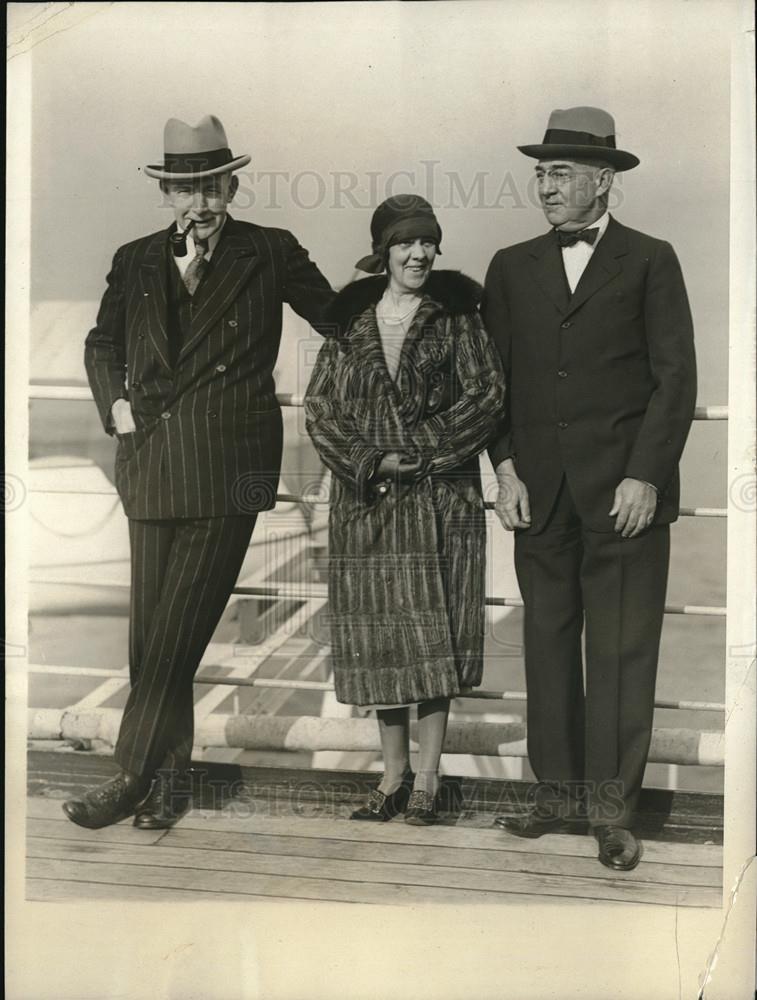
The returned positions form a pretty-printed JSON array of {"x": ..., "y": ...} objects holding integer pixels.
[
  {"x": 394, "y": 729},
  {"x": 432, "y": 728}
]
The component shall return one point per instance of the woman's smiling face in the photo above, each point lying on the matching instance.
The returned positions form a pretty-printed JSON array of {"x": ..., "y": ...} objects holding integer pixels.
[{"x": 409, "y": 263}]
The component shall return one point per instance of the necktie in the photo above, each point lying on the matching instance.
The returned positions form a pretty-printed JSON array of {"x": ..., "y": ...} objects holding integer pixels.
[
  {"x": 197, "y": 267},
  {"x": 570, "y": 239}
]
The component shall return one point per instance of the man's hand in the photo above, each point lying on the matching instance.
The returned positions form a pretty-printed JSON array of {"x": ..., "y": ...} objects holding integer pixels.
[
  {"x": 512, "y": 506},
  {"x": 123, "y": 421},
  {"x": 634, "y": 507}
]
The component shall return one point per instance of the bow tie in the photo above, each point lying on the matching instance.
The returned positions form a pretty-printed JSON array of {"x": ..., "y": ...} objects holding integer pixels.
[{"x": 570, "y": 239}]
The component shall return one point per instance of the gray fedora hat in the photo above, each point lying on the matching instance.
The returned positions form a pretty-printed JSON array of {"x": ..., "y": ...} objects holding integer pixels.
[
  {"x": 194, "y": 151},
  {"x": 580, "y": 134}
]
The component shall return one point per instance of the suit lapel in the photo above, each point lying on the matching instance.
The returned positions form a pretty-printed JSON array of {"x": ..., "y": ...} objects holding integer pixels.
[
  {"x": 152, "y": 276},
  {"x": 603, "y": 265},
  {"x": 233, "y": 262},
  {"x": 549, "y": 272}
]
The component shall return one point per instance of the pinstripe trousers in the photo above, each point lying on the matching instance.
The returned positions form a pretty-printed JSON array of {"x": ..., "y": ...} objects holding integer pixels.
[{"x": 182, "y": 573}]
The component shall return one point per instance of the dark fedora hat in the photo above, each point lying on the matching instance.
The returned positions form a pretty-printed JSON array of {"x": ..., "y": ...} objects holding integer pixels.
[
  {"x": 194, "y": 151},
  {"x": 581, "y": 134}
]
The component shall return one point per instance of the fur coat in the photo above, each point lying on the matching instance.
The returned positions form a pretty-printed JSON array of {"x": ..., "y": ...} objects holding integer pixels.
[{"x": 406, "y": 561}]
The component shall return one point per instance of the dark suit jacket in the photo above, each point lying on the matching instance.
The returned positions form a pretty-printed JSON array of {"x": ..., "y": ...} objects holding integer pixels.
[
  {"x": 602, "y": 383},
  {"x": 209, "y": 431}
]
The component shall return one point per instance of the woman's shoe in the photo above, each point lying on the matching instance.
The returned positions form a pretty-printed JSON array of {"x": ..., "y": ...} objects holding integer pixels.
[
  {"x": 379, "y": 808},
  {"x": 421, "y": 809}
]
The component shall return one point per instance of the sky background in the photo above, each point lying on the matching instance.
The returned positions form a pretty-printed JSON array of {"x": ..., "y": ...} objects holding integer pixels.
[{"x": 340, "y": 97}]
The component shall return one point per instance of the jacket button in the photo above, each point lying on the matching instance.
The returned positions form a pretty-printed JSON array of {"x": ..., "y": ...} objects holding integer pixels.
[
  {"x": 566, "y": 324},
  {"x": 165, "y": 415},
  {"x": 232, "y": 322},
  {"x": 212, "y": 413},
  {"x": 136, "y": 385},
  {"x": 221, "y": 368},
  {"x": 140, "y": 336},
  {"x": 562, "y": 425},
  {"x": 562, "y": 374}
]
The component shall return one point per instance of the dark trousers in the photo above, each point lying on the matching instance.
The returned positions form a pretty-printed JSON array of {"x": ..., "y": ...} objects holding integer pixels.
[
  {"x": 591, "y": 740},
  {"x": 182, "y": 573}
]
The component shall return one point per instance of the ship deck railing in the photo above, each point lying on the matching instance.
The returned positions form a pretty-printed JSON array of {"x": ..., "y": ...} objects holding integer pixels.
[{"x": 465, "y": 857}]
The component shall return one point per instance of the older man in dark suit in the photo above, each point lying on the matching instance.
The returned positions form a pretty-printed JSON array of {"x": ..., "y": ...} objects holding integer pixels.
[
  {"x": 181, "y": 367},
  {"x": 593, "y": 325}
]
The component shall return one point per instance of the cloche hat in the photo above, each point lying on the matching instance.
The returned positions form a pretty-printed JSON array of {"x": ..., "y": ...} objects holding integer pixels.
[{"x": 399, "y": 218}]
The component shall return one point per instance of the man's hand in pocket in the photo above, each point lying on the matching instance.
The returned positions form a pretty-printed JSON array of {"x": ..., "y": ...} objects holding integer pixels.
[{"x": 123, "y": 421}]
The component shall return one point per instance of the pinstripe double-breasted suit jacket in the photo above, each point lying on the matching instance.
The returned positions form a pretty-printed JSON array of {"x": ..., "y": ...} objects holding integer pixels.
[{"x": 208, "y": 437}]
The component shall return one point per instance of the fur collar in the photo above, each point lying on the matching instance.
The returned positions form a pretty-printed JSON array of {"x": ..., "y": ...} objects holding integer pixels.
[{"x": 453, "y": 291}]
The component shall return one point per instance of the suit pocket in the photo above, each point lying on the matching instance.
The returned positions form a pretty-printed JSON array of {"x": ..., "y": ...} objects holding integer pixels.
[
  {"x": 124, "y": 447},
  {"x": 129, "y": 444},
  {"x": 263, "y": 404}
]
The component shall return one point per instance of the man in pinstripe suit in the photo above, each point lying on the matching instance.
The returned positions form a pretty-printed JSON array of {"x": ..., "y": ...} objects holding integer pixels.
[{"x": 181, "y": 368}]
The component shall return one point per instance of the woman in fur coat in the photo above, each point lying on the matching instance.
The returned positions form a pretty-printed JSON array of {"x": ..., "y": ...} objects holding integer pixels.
[{"x": 401, "y": 401}]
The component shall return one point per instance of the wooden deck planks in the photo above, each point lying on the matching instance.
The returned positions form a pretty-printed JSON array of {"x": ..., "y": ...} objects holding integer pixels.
[
  {"x": 243, "y": 856},
  {"x": 221, "y": 884},
  {"x": 197, "y": 863},
  {"x": 364, "y": 848},
  {"x": 463, "y": 835},
  {"x": 252, "y": 818},
  {"x": 53, "y": 890}
]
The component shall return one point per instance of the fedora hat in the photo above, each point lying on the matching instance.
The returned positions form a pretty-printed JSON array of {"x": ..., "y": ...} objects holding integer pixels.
[
  {"x": 580, "y": 134},
  {"x": 195, "y": 151}
]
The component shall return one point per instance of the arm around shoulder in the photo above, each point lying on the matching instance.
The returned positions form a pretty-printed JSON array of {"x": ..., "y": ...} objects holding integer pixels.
[{"x": 306, "y": 289}]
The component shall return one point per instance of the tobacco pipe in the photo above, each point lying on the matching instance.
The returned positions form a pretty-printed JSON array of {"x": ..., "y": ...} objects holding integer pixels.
[{"x": 178, "y": 240}]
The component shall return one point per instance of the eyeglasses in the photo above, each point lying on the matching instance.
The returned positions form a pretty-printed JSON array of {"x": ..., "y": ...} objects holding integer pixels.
[{"x": 561, "y": 175}]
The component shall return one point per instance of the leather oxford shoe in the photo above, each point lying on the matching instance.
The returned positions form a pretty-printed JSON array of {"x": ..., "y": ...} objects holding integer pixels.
[
  {"x": 535, "y": 824},
  {"x": 618, "y": 848},
  {"x": 169, "y": 799},
  {"x": 109, "y": 803}
]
